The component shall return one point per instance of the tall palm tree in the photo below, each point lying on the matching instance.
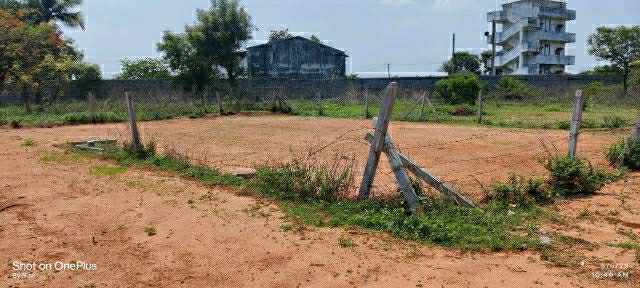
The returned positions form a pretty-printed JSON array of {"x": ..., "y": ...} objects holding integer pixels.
[{"x": 58, "y": 10}]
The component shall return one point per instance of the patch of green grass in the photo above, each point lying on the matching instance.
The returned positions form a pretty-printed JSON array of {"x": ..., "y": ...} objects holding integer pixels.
[
  {"x": 106, "y": 170},
  {"x": 150, "y": 231},
  {"x": 29, "y": 143},
  {"x": 629, "y": 157},
  {"x": 346, "y": 243},
  {"x": 62, "y": 158}
]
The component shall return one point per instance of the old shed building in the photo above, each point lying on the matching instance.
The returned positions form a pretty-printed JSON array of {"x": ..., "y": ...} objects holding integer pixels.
[{"x": 295, "y": 58}]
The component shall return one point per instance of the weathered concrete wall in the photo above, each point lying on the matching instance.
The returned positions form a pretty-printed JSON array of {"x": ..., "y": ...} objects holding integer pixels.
[
  {"x": 262, "y": 88},
  {"x": 295, "y": 58}
]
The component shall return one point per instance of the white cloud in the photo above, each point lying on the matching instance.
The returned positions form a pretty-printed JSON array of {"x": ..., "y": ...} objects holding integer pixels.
[
  {"x": 454, "y": 5},
  {"x": 397, "y": 2}
]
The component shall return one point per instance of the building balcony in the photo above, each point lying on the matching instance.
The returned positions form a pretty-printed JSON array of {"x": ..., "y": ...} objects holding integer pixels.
[
  {"x": 528, "y": 23},
  {"x": 498, "y": 16},
  {"x": 557, "y": 13},
  {"x": 555, "y": 36},
  {"x": 554, "y": 59}
]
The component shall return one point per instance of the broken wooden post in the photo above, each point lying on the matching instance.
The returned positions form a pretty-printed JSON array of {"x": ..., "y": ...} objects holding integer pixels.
[
  {"x": 377, "y": 143},
  {"x": 135, "y": 137},
  {"x": 422, "y": 105},
  {"x": 411, "y": 109},
  {"x": 480, "y": 107},
  {"x": 430, "y": 179},
  {"x": 433, "y": 110},
  {"x": 576, "y": 120}
]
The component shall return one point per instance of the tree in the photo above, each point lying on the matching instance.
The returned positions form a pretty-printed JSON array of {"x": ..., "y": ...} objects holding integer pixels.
[
  {"x": 195, "y": 73},
  {"x": 613, "y": 70},
  {"x": 87, "y": 75},
  {"x": 57, "y": 10},
  {"x": 485, "y": 58},
  {"x": 32, "y": 55},
  {"x": 219, "y": 37},
  {"x": 620, "y": 46},
  {"x": 279, "y": 35},
  {"x": 146, "y": 68},
  {"x": 463, "y": 61},
  {"x": 315, "y": 38}
]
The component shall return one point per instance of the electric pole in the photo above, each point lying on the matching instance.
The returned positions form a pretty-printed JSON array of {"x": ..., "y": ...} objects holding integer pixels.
[
  {"x": 453, "y": 56},
  {"x": 389, "y": 70},
  {"x": 493, "y": 48}
]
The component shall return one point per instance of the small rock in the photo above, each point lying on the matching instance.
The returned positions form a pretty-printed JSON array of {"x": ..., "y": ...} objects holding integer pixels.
[
  {"x": 545, "y": 240},
  {"x": 4, "y": 185},
  {"x": 509, "y": 212}
]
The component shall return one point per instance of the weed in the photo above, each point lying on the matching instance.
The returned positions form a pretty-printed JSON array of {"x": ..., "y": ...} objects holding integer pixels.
[
  {"x": 570, "y": 176},
  {"x": 346, "y": 243},
  {"x": 150, "y": 231},
  {"x": 106, "y": 170},
  {"x": 629, "y": 157},
  {"x": 521, "y": 191},
  {"x": 29, "y": 143}
]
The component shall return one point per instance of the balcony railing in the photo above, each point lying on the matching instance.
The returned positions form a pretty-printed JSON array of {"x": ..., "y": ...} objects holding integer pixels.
[
  {"x": 498, "y": 16},
  {"x": 557, "y": 13},
  {"x": 554, "y": 36},
  {"x": 511, "y": 30},
  {"x": 555, "y": 60}
]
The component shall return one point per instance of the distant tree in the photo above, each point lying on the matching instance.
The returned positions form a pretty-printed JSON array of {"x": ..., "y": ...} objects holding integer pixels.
[
  {"x": 32, "y": 55},
  {"x": 353, "y": 76},
  {"x": 620, "y": 46},
  {"x": 145, "y": 68},
  {"x": 315, "y": 38},
  {"x": 280, "y": 35},
  {"x": 10, "y": 5},
  {"x": 220, "y": 36},
  {"x": 463, "y": 61},
  {"x": 57, "y": 10},
  {"x": 87, "y": 75},
  {"x": 485, "y": 58},
  {"x": 197, "y": 74},
  {"x": 605, "y": 70}
]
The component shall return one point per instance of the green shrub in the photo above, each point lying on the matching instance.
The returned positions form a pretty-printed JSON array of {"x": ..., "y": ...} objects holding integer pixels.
[
  {"x": 299, "y": 181},
  {"x": 629, "y": 158},
  {"x": 459, "y": 89},
  {"x": 513, "y": 89},
  {"x": 570, "y": 176},
  {"x": 521, "y": 191},
  {"x": 85, "y": 118},
  {"x": 613, "y": 122},
  {"x": 589, "y": 92}
]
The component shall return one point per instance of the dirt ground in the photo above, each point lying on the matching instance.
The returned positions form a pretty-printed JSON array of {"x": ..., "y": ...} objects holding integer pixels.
[{"x": 56, "y": 210}]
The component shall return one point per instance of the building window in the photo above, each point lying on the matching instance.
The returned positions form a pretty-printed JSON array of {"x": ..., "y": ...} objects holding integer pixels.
[
  {"x": 559, "y": 28},
  {"x": 559, "y": 51}
]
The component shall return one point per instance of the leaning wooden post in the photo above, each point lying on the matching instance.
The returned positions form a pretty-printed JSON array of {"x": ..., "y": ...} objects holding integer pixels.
[
  {"x": 135, "y": 137},
  {"x": 403, "y": 179},
  {"x": 378, "y": 140},
  {"x": 480, "y": 106},
  {"x": 422, "y": 105},
  {"x": 576, "y": 120},
  {"x": 411, "y": 109},
  {"x": 433, "y": 110}
]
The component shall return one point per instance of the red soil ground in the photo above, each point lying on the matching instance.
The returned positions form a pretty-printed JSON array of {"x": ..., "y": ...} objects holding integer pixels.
[{"x": 55, "y": 209}]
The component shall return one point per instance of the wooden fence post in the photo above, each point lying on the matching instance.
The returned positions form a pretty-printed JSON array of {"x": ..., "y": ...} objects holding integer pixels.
[
  {"x": 424, "y": 95},
  {"x": 480, "y": 106},
  {"x": 92, "y": 107},
  {"x": 411, "y": 109},
  {"x": 377, "y": 143},
  {"x": 219, "y": 102},
  {"x": 366, "y": 105},
  {"x": 135, "y": 137},
  {"x": 433, "y": 110},
  {"x": 576, "y": 120},
  {"x": 635, "y": 135},
  {"x": 635, "y": 131},
  {"x": 320, "y": 113},
  {"x": 403, "y": 179}
]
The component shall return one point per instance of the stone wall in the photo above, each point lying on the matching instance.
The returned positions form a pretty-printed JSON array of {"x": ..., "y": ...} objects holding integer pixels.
[{"x": 255, "y": 89}]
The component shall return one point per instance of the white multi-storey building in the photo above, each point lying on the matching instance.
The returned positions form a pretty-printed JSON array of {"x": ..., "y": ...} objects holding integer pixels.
[{"x": 533, "y": 37}]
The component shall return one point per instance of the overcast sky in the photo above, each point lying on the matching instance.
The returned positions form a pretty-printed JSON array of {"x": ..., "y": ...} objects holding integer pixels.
[{"x": 414, "y": 36}]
